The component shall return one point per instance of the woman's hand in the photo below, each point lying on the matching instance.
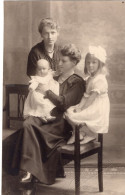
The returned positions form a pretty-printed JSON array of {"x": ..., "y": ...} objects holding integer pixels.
[
  {"x": 77, "y": 110},
  {"x": 45, "y": 94}
]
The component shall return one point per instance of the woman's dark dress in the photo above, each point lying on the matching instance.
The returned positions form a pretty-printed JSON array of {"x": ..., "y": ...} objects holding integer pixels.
[
  {"x": 34, "y": 148},
  {"x": 38, "y": 52}
]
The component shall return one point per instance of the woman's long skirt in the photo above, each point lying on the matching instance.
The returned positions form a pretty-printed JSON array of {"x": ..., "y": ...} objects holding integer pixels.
[{"x": 34, "y": 148}]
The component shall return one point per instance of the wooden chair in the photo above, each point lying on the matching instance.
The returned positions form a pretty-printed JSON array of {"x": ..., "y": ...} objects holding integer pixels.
[
  {"x": 74, "y": 152},
  {"x": 78, "y": 152},
  {"x": 21, "y": 91}
]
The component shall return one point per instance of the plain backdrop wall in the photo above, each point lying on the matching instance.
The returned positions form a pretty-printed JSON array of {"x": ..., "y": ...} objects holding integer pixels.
[{"x": 83, "y": 23}]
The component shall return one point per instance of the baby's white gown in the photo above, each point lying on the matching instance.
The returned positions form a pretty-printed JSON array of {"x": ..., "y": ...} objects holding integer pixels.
[
  {"x": 96, "y": 116},
  {"x": 35, "y": 104}
]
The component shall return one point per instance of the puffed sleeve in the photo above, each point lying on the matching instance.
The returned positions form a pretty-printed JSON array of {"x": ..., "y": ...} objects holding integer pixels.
[
  {"x": 70, "y": 98},
  {"x": 100, "y": 85}
]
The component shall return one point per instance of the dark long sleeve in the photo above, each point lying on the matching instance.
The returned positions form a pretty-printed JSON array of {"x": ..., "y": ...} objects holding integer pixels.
[
  {"x": 38, "y": 52},
  {"x": 70, "y": 98},
  {"x": 31, "y": 64}
]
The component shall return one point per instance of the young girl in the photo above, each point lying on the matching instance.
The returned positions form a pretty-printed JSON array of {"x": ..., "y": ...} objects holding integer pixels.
[
  {"x": 93, "y": 110},
  {"x": 36, "y": 104}
]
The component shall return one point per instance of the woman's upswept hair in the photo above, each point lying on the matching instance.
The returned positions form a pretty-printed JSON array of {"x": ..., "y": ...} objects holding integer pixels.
[
  {"x": 48, "y": 22},
  {"x": 72, "y": 52},
  {"x": 102, "y": 66}
]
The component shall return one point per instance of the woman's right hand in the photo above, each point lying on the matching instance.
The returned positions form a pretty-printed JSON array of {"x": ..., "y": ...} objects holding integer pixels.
[{"x": 45, "y": 94}]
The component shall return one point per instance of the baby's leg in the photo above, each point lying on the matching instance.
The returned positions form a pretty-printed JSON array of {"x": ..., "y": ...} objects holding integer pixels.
[{"x": 89, "y": 135}]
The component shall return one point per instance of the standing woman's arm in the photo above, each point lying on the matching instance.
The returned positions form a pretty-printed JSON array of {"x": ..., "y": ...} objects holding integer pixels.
[{"x": 31, "y": 64}]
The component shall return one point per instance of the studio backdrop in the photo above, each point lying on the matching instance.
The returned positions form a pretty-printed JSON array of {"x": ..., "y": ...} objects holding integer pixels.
[{"x": 83, "y": 23}]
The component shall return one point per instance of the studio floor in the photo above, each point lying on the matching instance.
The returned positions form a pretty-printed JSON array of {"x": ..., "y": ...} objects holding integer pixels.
[
  {"x": 114, "y": 183},
  {"x": 113, "y": 146},
  {"x": 114, "y": 170}
]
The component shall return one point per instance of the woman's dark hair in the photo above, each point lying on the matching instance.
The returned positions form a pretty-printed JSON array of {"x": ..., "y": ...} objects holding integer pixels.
[
  {"x": 47, "y": 22},
  {"x": 72, "y": 52}
]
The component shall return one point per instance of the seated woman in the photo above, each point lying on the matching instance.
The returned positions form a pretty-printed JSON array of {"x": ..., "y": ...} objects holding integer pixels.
[{"x": 33, "y": 148}]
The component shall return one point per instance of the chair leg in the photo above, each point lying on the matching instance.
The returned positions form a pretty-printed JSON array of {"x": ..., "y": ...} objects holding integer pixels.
[
  {"x": 100, "y": 171},
  {"x": 77, "y": 177},
  {"x": 77, "y": 162}
]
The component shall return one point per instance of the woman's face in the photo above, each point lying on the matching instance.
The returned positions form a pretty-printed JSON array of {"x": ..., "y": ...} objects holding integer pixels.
[
  {"x": 66, "y": 64},
  {"x": 92, "y": 65},
  {"x": 49, "y": 35}
]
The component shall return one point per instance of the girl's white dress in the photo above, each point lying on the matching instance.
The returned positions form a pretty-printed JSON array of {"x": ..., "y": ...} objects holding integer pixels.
[
  {"x": 36, "y": 104},
  {"x": 96, "y": 116}
]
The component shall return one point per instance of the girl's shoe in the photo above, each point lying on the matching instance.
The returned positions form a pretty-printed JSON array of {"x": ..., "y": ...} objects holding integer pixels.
[
  {"x": 27, "y": 178},
  {"x": 87, "y": 139}
]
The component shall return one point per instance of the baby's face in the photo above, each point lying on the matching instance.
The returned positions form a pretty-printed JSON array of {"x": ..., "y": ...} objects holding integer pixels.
[{"x": 42, "y": 67}]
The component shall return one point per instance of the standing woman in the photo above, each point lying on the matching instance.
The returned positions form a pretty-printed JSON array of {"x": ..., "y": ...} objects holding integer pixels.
[
  {"x": 47, "y": 48},
  {"x": 34, "y": 149}
]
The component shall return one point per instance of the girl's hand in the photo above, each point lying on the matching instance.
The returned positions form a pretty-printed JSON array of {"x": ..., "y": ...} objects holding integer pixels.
[{"x": 77, "y": 110}]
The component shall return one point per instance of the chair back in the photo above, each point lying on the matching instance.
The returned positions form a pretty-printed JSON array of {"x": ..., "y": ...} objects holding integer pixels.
[{"x": 21, "y": 92}]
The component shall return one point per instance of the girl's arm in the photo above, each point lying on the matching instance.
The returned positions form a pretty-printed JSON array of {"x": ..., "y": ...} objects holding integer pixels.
[
  {"x": 100, "y": 86},
  {"x": 90, "y": 100}
]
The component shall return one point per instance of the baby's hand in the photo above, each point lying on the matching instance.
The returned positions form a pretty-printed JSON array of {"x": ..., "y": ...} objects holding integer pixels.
[
  {"x": 30, "y": 81},
  {"x": 30, "y": 89},
  {"x": 77, "y": 110}
]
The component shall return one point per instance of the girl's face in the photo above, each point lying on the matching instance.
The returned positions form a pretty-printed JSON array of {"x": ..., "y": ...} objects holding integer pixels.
[
  {"x": 66, "y": 64},
  {"x": 92, "y": 65},
  {"x": 42, "y": 67}
]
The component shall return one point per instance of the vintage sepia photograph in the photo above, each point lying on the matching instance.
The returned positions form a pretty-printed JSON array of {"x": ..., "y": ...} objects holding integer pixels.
[{"x": 63, "y": 129}]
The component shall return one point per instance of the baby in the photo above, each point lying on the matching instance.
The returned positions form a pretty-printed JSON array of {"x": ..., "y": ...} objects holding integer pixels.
[{"x": 35, "y": 104}]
